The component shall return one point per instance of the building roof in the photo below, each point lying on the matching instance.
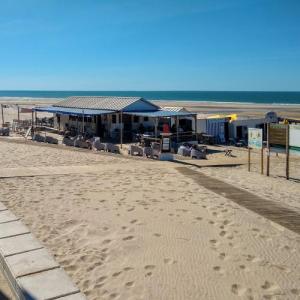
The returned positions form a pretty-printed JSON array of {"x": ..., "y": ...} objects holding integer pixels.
[
  {"x": 72, "y": 111},
  {"x": 174, "y": 108},
  {"x": 108, "y": 103},
  {"x": 162, "y": 114}
]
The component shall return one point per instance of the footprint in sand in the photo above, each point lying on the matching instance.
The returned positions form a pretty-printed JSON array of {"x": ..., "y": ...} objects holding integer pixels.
[
  {"x": 218, "y": 269},
  {"x": 149, "y": 267},
  {"x": 222, "y": 233},
  {"x": 113, "y": 295},
  {"x": 101, "y": 279},
  {"x": 269, "y": 286},
  {"x": 214, "y": 243},
  {"x": 133, "y": 221},
  {"x": 128, "y": 238},
  {"x": 295, "y": 292},
  {"x": 222, "y": 255},
  {"x": 240, "y": 291},
  {"x": 116, "y": 274},
  {"x": 157, "y": 234},
  {"x": 129, "y": 283},
  {"x": 170, "y": 261},
  {"x": 107, "y": 241}
]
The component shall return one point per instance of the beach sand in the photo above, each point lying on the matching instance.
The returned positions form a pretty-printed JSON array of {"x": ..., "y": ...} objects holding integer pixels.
[
  {"x": 139, "y": 229},
  {"x": 242, "y": 109}
]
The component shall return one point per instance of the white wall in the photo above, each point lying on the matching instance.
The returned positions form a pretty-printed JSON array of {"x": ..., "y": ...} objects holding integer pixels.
[{"x": 247, "y": 123}]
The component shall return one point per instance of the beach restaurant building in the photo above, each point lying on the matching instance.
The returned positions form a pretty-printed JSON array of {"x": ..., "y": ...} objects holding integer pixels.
[{"x": 120, "y": 118}]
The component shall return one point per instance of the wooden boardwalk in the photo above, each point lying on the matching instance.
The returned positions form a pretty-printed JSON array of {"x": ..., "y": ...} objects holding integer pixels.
[{"x": 275, "y": 212}]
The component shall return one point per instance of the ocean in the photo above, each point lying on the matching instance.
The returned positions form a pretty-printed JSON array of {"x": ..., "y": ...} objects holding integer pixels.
[{"x": 204, "y": 96}]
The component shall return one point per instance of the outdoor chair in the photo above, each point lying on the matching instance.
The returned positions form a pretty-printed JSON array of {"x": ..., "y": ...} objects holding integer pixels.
[
  {"x": 95, "y": 141},
  {"x": 4, "y": 131},
  {"x": 135, "y": 150},
  {"x": 155, "y": 149},
  {"x": 228, "y": 152},
  {"x": 148, "y": 152}
]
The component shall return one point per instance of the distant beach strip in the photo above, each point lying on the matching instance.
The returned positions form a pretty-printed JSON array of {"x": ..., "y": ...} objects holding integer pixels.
[{"x": 252, "y": 97}]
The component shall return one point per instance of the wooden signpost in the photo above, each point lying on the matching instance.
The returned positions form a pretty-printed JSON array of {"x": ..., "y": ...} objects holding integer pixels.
[{"x": 278, "y": 137}]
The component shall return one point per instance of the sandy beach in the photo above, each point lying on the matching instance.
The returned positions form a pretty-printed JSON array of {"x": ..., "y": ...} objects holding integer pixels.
[
  {"x": 246, "y": 109},
  {"x": 126, "y": 228},
  {"x": 138, "y": 229}
]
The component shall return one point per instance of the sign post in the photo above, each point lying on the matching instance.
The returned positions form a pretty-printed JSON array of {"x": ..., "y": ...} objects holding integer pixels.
[
  {"x": 255, "y": 141},
  {"x": 268, "y": 149},
  {"x": 287, "y": 149}
]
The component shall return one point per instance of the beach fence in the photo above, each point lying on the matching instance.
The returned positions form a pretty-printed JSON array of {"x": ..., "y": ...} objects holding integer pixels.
[{"x": 279, "y": 155}]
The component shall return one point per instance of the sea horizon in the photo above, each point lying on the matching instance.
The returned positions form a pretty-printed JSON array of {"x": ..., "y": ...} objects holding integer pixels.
[{"x": 246, "y": 97}]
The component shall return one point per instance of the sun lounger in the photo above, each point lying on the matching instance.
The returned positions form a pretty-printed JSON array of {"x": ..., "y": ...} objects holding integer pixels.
[
  {"x": 198, "y": 153},
  {"x": 39, "y": 138},
  {"x": 135, "y": 150},
  {"x": 112, "y": 148},
  {"x": 184, "y": 151},
  {"x": 80, "y": 142},
  {"x": 68, "y": 141},
  {"x": 51, "y": 140}
]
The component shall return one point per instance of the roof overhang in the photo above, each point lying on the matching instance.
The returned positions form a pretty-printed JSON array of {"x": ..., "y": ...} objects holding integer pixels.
[
  {"x": 161, "y": 114},
  {"x": 72, "y": 111}
]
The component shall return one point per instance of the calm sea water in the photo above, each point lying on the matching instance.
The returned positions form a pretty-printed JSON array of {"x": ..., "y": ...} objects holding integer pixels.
[{"x": 210, "y": 96}]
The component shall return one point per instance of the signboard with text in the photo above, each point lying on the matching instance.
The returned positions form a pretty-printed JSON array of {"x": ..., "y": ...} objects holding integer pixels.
[
  {"x": 277, "y": 135},
  {"x": 255, "y": 138}
]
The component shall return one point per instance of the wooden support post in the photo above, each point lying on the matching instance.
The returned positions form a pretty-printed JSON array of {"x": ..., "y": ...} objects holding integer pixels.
[
  {"x": 196, "y": 127},
  {"x": 262, "y": 160},
  {"x": 249, "y": 157},
  {"x": 287, "y": 147},
  {"x": 32, "y": 118},
  {"x": 156, "y": 124},
  {"x": 18, "y": 113},
  {"x": 35, "y": 118},
  {"x": 58, "y": 119},
  {"x": 121, "y": 135},
  {"x": 77, "y": 125},
  {"x": 82, "y": 123},
  {"x": 2, "y": 113},
  {"x": 268, "y": 149},
  {"x": 177, "y": 125}
]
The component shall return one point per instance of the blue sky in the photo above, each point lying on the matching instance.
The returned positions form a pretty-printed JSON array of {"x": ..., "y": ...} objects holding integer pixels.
[{"x": 150, "y": 44}]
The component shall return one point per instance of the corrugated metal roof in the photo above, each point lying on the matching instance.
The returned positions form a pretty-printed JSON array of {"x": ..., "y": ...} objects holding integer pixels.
[
  {"x": 162, "y": 113},
  {"x": 102, "y": 102},
  {"x": 72, "y": 111},
  {"x": 174, "y": 108}
]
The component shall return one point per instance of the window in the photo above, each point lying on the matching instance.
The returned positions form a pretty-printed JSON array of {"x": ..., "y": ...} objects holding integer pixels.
[
  {"x": 146, "y": 119},
  {"x": 135, "y": 119},
  {"x": 114, "y": 119}
]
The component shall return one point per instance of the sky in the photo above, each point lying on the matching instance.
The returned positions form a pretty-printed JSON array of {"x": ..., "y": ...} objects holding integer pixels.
[{"x": 251, "y": 45}]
